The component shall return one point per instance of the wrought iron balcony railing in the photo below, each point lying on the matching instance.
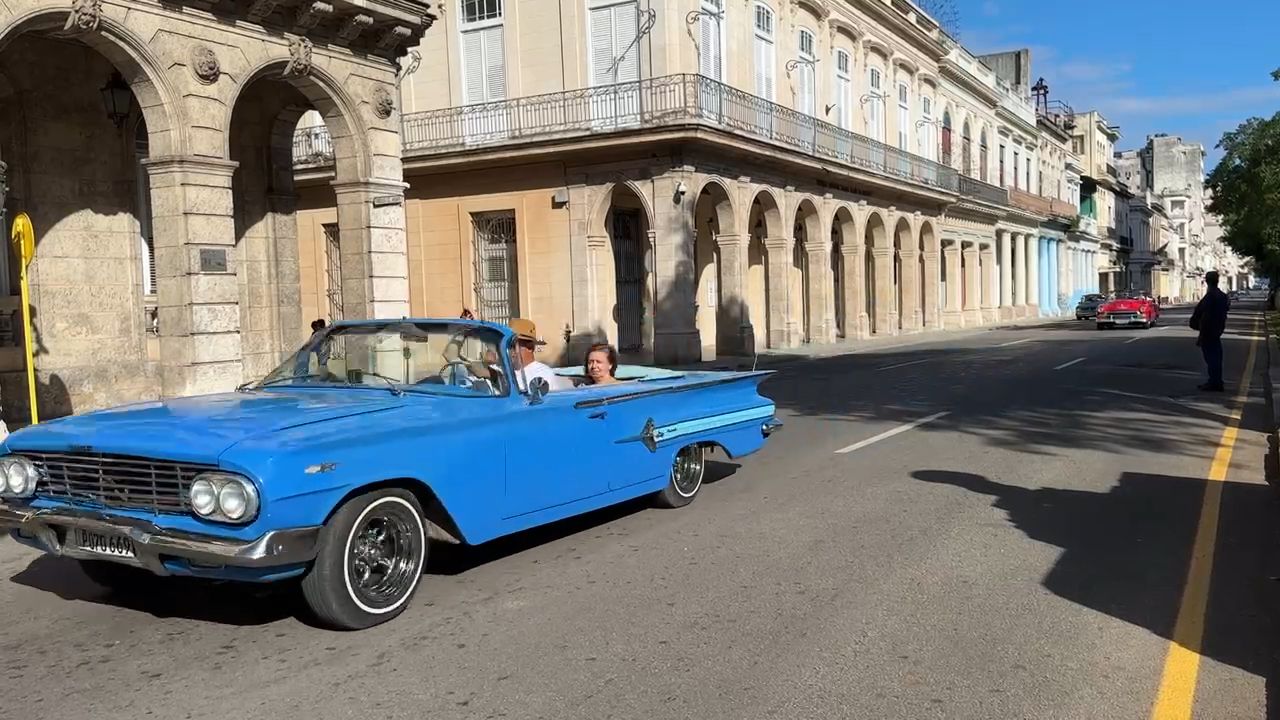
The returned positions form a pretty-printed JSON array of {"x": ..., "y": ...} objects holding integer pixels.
[
  {"x": 312, "y": 147},
  {"x": 668, "y": 101},
  {"x": 975, "y": 188}
]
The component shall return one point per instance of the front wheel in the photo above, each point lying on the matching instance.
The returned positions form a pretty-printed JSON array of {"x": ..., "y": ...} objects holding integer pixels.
[
  {"x": 370, "y": 559},
  {"x": 687, "y": 471}
]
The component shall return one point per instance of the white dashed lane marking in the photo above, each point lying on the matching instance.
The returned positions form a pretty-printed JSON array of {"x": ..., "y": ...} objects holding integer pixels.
[
  {"x": 1069, "y": 364},
  {"x": 890, "y": 433}
]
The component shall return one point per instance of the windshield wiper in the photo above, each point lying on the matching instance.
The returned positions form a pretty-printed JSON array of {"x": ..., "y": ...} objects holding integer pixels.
[
  {"x": 278, "y": 380},
  {"x": 391, "y": 382}
]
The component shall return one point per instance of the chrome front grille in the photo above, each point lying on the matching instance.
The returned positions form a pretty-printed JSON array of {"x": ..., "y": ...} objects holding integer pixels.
[{"x": 117, "y": 481}]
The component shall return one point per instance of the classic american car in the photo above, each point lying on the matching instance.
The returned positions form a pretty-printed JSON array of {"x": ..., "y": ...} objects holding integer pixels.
[
  {"x": 345, "y": 463},
  {"x": 1128, "y": 308},
  {"x": 1087, "y": 308}
]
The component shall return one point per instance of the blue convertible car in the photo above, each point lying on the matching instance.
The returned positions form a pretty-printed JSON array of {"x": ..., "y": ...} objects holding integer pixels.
[{"x": 342, "y": 465}]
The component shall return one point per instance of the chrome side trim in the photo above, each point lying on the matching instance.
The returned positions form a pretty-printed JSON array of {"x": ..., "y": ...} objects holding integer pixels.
[
  {"x": 737, "y": 377},
  {"x": 46, "y": 529}
]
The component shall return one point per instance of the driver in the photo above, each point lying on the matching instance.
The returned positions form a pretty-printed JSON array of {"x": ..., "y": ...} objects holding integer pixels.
[{"x": 526, "y": 340}]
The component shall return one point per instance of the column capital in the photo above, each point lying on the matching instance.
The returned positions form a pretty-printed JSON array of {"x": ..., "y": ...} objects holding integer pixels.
[
  {"x": 190, "y": 164},
  {"x": 779, "y": 243},
  {"x": 597, "y": 241},
  {"x": 369, "y": 187},
  {"x": 852, "y": 250},
  {"x": 732, "y": 241}
]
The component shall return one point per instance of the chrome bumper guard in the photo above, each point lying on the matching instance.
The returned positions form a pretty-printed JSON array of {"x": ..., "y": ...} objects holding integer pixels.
[{"x": 47, "y": 528}]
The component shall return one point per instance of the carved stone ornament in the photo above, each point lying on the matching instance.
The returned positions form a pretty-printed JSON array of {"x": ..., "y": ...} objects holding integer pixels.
[
  {"x": 299, "y": 58},
  {"x": 383, "y": 103},
  {"x": 204, "y": 63},
  {"x": 85, "y": 16}
]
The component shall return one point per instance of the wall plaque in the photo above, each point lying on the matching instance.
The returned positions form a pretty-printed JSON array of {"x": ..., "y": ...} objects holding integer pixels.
[
  {"x": 213, "y": 260},
  {"x": 385, "y": 200}
]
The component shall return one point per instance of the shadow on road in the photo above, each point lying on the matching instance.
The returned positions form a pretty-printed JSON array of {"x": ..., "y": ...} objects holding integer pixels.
[
  {"x": 1095, "y": 405},
  {"x": 249, "y": 604}
]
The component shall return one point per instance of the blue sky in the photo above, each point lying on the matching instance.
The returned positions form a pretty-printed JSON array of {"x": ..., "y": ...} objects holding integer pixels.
[{"x": 1183, "y": 67}]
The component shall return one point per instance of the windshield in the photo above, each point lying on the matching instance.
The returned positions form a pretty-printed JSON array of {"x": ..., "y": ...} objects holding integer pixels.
[{"x": 444, "y": 358}]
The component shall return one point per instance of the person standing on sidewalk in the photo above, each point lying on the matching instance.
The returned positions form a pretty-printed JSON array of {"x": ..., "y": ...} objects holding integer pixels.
[{"x": 1210, "y": 320}]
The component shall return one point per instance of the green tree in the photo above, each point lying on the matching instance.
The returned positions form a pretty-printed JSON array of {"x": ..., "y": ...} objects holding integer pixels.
[{"x": 1246, "y": 191}]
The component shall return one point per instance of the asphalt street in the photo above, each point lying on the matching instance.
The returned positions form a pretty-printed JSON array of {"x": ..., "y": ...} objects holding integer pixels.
[{"x": 999, "y": 525}]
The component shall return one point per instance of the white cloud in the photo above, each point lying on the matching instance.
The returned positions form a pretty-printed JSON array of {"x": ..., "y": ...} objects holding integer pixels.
[{"x": 1194, "y": 104}]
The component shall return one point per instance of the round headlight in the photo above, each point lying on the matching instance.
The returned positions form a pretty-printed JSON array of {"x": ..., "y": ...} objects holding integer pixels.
[
  {"x": 233, "y": 501},
  {"x": 204, "y": 497},
  {"x": 16, "y": 476}
]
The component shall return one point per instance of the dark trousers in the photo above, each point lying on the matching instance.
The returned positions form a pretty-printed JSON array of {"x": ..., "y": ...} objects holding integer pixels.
[{"x": 1211, "y": 348}]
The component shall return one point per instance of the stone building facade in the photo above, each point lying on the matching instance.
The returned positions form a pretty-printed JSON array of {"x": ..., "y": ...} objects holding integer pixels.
[
  {"x": 151, "y": 146},
  {"x": 692, "y": 179}
]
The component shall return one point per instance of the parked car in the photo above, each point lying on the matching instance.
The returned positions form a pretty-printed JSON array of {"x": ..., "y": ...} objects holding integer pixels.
[
  {"x": 1127, "y": 309},
  {"x": 345, "y": 463},
  {"x": 1087, "y": 308}
]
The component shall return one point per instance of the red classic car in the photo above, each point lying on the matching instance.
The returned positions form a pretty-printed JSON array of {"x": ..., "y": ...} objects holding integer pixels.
[{"x": 1128, "y": 308}]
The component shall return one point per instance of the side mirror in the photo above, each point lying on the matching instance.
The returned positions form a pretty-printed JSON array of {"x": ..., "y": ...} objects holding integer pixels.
[{"x": 538, "y": 389}]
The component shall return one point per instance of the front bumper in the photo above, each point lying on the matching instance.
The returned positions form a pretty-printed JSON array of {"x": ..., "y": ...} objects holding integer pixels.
[{"x": 48, "y": 529}]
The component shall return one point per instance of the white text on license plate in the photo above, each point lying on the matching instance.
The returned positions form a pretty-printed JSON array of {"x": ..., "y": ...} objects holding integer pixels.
[{"x": 104, "y": 543}]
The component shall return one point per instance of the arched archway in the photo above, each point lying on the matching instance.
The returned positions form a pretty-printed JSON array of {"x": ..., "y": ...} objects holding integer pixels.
[
  {"x": 803, "y": 301},
  {"x": 930, "y": 262},
  {"x": 905, "y": 256},
  {"x": 846, "y": 277},
  {"x": 624, "y": 221},
  {"x": 764, "y": 220},
  {"x": 717, "y": 311},
  {"x": 876, "y": 242},
  {"x": 82, "y": 177}
]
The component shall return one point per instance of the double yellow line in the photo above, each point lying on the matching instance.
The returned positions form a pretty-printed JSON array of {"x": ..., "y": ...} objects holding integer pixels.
[{"x": 1177, "y": 693}]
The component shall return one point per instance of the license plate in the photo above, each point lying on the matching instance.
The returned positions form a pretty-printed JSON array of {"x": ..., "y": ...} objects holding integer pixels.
[{"x": 104, "y": 543}]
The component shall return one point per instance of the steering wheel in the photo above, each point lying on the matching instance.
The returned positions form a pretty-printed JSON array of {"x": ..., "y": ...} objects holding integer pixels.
[{"x": 453, "y": 370}]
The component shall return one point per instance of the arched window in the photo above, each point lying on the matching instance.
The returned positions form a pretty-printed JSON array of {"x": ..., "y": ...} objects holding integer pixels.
[
  {"x": 806, "y": 90},
  {"x": 875, "y": 104},
  {"x": 928, "y": 148},
  {"x": 966, "y": 151},
  {"x": 946, "y": 138},
  {"x": 844, "y": 87},
  {"x": 904, "y": 116},
  {"x": 982, "y": 156},
  {"x": 146, "y": 240},
  {"x": 764, "y": 51}
]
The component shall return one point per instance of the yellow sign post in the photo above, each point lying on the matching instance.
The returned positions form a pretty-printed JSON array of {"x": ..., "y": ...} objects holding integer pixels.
[{"x": 23, "y": 238}]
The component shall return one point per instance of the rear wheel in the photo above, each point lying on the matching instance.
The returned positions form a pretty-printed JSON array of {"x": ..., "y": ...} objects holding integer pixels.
[
  {"x": 687, "y": 471},
  {"x": 370, "y": 560}
]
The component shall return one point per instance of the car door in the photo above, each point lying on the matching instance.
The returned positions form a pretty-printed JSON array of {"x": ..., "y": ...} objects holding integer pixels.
[{"x": 556, "y": 455}]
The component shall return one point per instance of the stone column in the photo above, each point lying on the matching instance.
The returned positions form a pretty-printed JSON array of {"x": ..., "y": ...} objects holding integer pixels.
[
  {"x": 886, "y": 292},
  {"x": 819, "y": 280},
  {"x": 1019, "y": 275},
  {"x": 733, "y": 325},
  {"x": 1033, "y": 276},
  {"x": 375, "y": 257},
  {"x": 990, "y": 292},
  {"x": 911, "y": 310},
  {"x": 198, "y": 294},
  {"x": 953, "y": 315},
  {"x": 931, "y": 280},
  {"x": 973, "y": 285},
  {"x": 853, "y": 262},
  {"x": 1006, "y": 274},
  {"x": 672, "y": 306},
  {"x": 778, "y": 252},
  {"x": 1065, "y": 286}
]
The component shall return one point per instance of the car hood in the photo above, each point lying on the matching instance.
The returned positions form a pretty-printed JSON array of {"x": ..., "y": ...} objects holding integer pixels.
[{"x": 197, "y": 429}]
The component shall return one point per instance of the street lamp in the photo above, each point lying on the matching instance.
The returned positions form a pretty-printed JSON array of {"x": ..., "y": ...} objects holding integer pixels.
[{"x": 117, "y": 99}]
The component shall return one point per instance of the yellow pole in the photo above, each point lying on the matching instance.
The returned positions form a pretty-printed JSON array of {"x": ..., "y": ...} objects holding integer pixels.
[{"x": 24, "y": 239}]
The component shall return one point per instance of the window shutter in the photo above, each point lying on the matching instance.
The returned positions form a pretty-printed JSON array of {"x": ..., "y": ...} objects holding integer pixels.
[
  {"x": 601, "y": 45},
  {"x": 844, "y": 90},
  {"x": 495, "y": 66},
  {"x": 806, "y": 90},
  {"x": 473, "y": 67},
  {"x": 626, "y": 21},
  {"x": 709, "y": 45}
]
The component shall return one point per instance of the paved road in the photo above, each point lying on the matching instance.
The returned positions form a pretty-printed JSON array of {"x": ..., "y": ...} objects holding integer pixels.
[{"x": 1023, "y": 556}]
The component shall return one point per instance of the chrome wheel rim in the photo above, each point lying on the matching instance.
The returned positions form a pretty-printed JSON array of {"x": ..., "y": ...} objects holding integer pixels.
[
  {"x": 384, "y": 556},
  {"x": 687, "y": 470}
]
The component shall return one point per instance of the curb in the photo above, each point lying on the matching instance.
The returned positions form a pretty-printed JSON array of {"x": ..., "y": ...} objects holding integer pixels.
[{"x": 1271, "y": 375}]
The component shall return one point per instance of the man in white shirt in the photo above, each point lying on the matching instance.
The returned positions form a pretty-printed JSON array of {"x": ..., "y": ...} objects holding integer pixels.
[{"x": 526, "y": 340}]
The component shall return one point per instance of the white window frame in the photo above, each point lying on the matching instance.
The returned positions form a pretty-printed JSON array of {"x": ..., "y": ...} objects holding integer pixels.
[
  {"x": 808, "y": 69},
  {"x": 875, "y": 105},
  {"x": 768, "y": 37},
  {"x": 844, "y": 88},
  {"x": 904, "y": 117},
  {"x": 928, "y": 146},
  {"x": 483, "y": 126},
  {"x": 721, "y": 13}
]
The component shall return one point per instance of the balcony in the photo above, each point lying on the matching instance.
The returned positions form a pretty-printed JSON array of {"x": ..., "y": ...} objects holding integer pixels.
[
  {"x": 1086, "y": 224},
  {"x": 974, "y": 188},
  {"x": 1031, "y": 202},
  {"x": 662, "y": 102},
  {"x": 312, "y": 147}
]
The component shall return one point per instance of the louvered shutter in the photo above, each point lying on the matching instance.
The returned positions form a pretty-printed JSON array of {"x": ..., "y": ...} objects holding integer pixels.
[
  {"x": 473, "y": 67},
  {"x": 709, "y": 47},
  {"x": 626, "y": 19},
  {"x": 764, "y": 68},
  {"x": 844, "y": 90},
  {"x": 806, "y": 90},
  {"x": 495, "y": 66}
]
